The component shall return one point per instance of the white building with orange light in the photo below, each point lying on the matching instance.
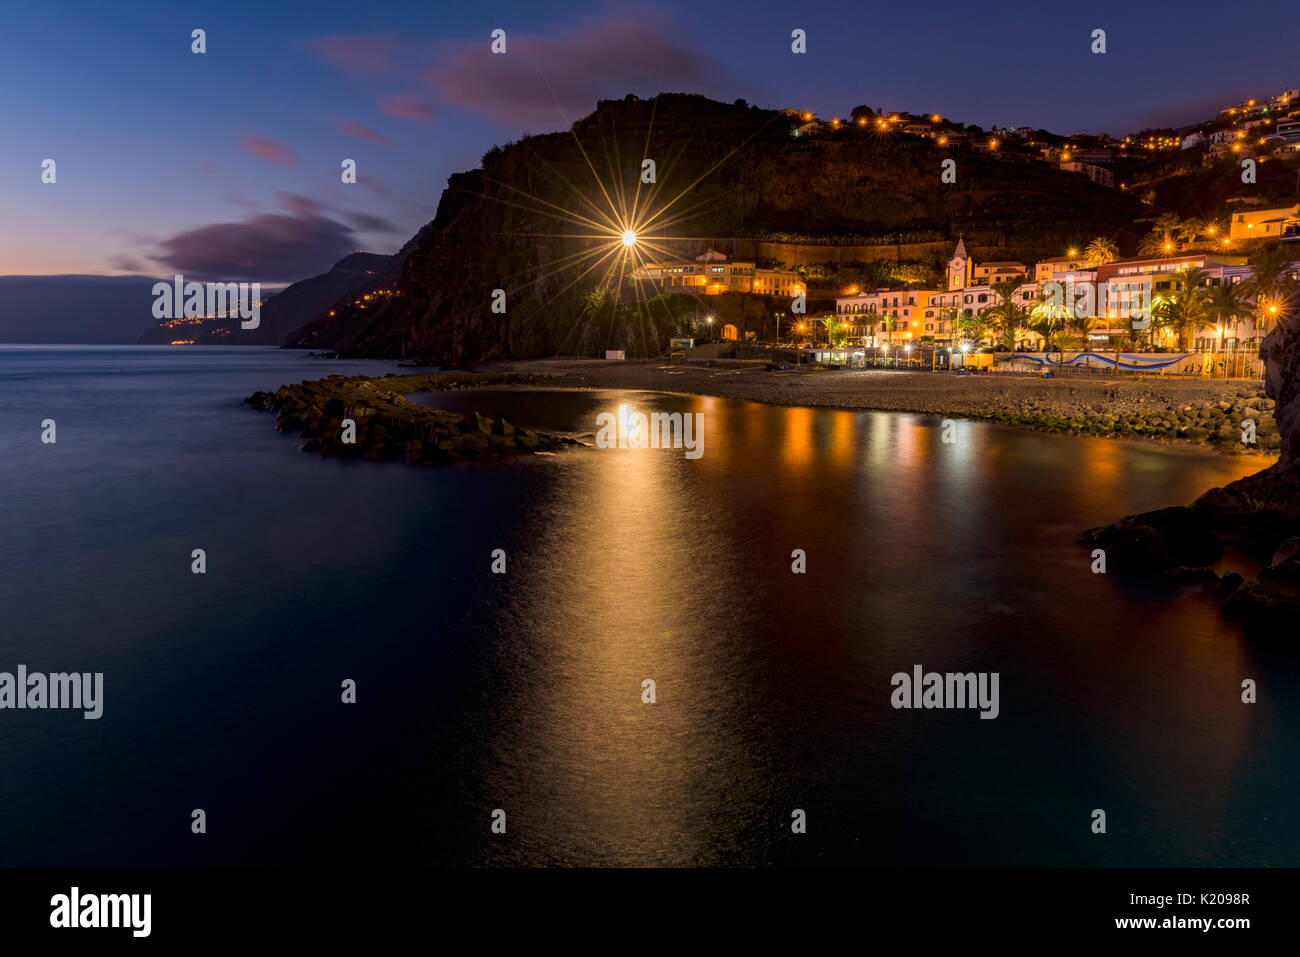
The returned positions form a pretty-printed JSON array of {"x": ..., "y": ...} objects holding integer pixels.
[
  {"x": 713, "y": 274},
  {"x": 871, "y": 312}
]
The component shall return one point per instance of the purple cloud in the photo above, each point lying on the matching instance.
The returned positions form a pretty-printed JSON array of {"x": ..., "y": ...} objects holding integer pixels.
[
  {"x": 127, "y": 263},
  {"x": 553, "y": 78},
  {"x": 365, "y": 133},
  {"x": 269, "y": 150},
  {"x": 371, "y": 224},
  {"x": 297, "y": 205},
  {"x": 406, "y": 108},
  {"x": 359, "y": 55},
  {"x": 270, "y": 247}
]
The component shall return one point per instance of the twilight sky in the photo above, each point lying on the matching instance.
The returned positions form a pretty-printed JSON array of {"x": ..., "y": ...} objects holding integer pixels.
[{"x": 226, "y": 165}]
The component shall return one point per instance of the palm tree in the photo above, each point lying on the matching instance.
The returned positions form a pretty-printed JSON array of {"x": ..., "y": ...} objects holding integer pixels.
[
  {"x": 1006, "y": 315},
  {"x": 834, "y": 331},
  {"x": 1230, "y": 302},
  {"x": 1100, "y": 251},
  {"x": 891, "y": 325},
  {"x": 1189, "y": 231},
  {"x": 952, "y": 315},
  {"x": 1133, "y": 334},
  {"x": 1082, "y": 323},
  {"x": 1186, "y": 308},
  {"x": 973, "y": 327},
  {"x": 1167, "y": 222},
  {"x": 1050, "y": 315},
  {"x": 1051, "y": 328},
  {"x": 1215, "y": 231},
  {"x": 1159, "y": 242},
  {"x": 1272, "y": 284}
]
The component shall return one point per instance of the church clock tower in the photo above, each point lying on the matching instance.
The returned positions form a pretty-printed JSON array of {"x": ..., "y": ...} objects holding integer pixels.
[{"x": 959, "y": 266}]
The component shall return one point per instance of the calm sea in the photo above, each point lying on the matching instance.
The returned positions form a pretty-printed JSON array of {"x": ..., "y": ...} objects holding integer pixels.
[{"x": 522, "y": 692}]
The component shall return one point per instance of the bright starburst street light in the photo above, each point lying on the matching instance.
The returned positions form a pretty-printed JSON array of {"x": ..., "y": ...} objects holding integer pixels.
[{"x": 629, "y": 237}]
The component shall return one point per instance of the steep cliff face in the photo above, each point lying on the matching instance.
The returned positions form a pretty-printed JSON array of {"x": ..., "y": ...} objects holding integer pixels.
[{"x": 526, "y": 221}]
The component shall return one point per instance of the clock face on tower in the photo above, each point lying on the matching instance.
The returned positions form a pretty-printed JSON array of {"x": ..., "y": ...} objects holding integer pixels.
[{"x": 956, "y": 273}]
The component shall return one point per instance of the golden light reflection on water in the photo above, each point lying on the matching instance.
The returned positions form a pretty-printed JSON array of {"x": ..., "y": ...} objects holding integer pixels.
[
  {"x": 612, "y": 769},
  {"x": 644, "y": 565}
]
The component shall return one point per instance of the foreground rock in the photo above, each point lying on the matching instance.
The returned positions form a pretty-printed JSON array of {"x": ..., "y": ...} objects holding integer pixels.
[
  {"x": 1272, "y": 598},
  {"x": 1260, "y": 514},
  {"x": 388, "y": 427},
  {"x": 1158, "y": 543}
]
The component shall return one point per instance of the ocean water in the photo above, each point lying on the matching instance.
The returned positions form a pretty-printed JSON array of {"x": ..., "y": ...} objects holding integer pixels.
[{"x": 523, "y": 692}]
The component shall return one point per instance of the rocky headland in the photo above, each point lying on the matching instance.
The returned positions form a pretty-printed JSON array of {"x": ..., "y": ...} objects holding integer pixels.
[{"x": 385, "y": 426}]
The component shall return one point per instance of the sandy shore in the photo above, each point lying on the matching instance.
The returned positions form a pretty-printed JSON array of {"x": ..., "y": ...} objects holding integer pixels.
[{"x": 1187, "y": 409}]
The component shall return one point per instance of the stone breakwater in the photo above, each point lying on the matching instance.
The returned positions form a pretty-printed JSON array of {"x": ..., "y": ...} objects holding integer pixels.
[
  {"x": 388, "y": 427},
  {"x": 1218, "y": 421}
]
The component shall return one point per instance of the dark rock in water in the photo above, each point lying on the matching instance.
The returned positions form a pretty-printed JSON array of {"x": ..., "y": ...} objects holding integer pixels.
[
  {"x": 390, "y": 428},
  {"x": 1154, "y": 543},
  {"x": 1287, "y": 551},
  {"x": 1269, "y": 600},
  {"x": 1229, "y": 583},
  {"x": 1184, "y": 575}
]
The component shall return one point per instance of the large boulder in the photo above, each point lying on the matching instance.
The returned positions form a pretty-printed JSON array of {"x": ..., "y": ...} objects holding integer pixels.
[
  {"x": 1271, "y": 599},
  {"x": 1155, "y": 543}
]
